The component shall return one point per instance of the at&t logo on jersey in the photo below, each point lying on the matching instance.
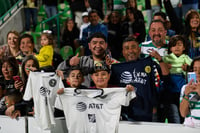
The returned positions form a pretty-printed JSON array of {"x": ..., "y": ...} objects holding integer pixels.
[
  {"x": 44, "y": 91},
  {"x": 135, "y": 77},
  {"x": 126, "y": 77},
  {"x": 81, "y": 106}
]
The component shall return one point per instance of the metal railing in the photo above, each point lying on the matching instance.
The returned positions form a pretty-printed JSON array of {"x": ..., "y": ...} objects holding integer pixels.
[
  {"x": 57, "y": 17},
  {"x": 10, "y": 12}
]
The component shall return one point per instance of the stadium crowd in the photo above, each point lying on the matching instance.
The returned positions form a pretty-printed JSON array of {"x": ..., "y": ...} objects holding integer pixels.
[{"x": 152, "y": 53}]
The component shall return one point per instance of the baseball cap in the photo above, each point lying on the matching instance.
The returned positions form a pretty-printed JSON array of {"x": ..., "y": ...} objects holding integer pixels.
[
  {"x": 84, "y": 14},
  {"x": 102, "y": 67}
]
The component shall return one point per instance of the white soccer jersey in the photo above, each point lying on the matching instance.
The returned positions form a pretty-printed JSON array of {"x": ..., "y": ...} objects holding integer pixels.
[
  {"x": 42, "y": 87},
  {"x": 86, "y": 114}
]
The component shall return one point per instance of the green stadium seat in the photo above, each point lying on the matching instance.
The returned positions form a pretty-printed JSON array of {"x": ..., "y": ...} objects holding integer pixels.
[
  {"x": 41, "y": 11},
  {"x": 66, "y": 51}
]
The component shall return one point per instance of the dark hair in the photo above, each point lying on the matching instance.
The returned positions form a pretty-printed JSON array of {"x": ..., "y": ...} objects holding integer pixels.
[
  {"x": 14, "y": 95},
  {"x": 197, "y": 58},
  {"x": 114, "y": 12},
  {"x": 26, "y": 36},
  {"x": 189, "y": 15},
  {"x": 161, "y": 14},
  {"x": 173, "y": 40},
  {"x": 49, "y": 37},
  {"x": 93, "y": 11},
  {"x": 13, "y": 62},
  {"x": 97, "y": 35},
  {"x": 158, "y": 21},
  {"x": 74, "y": 68},
  {"x": 130, "y": 38},
  {"x": 133, "y": 11},
  {"x": 27, "y": 58},
  {"x": 67, "y": 20},
  {"x": 128, "y": 4}
]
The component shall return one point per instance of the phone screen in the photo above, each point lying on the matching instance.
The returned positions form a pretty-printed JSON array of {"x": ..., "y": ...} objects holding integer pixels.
[
  {"x": 190, "y": 76},
  {"x": 16, "y": 78}
]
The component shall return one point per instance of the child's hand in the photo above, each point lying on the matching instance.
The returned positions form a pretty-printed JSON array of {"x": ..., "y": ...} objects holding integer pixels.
[
  {"x": 10, "y": 110},
  {"x": 60, "y": 74},
  {"x": 184, "y": 67},
  {"x": 16, "y": 114},
  {"x": 60, "y": 91},
  {"x": 130, "y": 88}
]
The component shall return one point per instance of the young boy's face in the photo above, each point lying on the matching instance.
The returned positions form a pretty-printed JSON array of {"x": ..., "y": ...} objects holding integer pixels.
[
  {"x": 100, "y": 79},
  {"x": 75, "y": 78}
]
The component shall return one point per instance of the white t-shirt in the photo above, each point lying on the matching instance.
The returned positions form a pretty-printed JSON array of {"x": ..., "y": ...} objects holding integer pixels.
[
  {"x": 86, "y": 113},
  {"x": 42, "y": 87}
]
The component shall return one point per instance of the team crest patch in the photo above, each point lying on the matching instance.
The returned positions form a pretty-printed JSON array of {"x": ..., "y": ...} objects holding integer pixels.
[
  {"x": 52, "y": 82},
  {"x": 99, "y": 64},
  {"x": 92, "y": 118},
  {"x": 147, "y": 69}
]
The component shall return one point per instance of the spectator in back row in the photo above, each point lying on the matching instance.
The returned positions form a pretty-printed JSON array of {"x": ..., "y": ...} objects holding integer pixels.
[
  {"x": 70, "y": 34},
  {"x": 30, "y": 10},
  {"x": 162, "y": 17},
  {"x": 130, "y": 26},
  {"x": 192, "y": 32},
  {"x": 93, "y": 27},
  {"x": 113, "y": 22}
]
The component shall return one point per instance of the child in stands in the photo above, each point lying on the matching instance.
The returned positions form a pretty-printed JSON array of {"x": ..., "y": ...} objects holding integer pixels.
[
  {"x": 178, "y": 62},
  {"x": 74, "y": 79},
  {"x": 11, "y": 97},
  {"x": 45, "y": 56}
]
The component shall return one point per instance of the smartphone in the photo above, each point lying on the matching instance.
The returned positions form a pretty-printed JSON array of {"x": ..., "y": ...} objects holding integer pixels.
[
  {"x": 190, "y": 76},
  {"x": 16, "y": 78},
  {"x": 108, "y": 53}
]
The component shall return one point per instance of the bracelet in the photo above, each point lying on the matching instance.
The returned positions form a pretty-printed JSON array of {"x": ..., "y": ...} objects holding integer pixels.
[
  {"x": 186, "y": 95},
  {"x": 186, "y": 99}
]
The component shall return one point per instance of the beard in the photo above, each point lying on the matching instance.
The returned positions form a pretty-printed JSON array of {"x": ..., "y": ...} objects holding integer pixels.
[{"x": 157, "y": 42}]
